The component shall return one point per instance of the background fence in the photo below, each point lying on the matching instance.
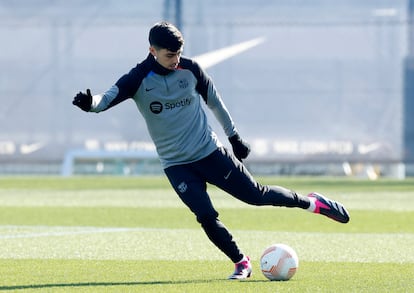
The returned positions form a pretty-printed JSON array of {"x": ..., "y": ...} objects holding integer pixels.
[{"x": 326, "y": 86}]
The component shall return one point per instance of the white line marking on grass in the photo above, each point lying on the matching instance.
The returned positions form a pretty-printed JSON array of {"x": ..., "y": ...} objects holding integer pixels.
[
  {"x": 58, "y": 231},
  {"x": 401, "y": 201},
  {"x": 107, "y": 243},
  {"x": 52, "y": 231}
]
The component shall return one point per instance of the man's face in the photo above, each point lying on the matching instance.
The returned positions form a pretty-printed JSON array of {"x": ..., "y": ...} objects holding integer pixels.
[{"x": 166, "y": 58}]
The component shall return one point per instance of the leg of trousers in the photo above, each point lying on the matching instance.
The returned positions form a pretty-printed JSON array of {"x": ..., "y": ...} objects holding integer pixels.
[
  {"x": 222, "y": 169},
  {"x": 192, "y": 190}
]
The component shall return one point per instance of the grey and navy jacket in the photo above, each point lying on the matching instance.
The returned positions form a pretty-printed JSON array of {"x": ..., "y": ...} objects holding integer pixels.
[{"x": 170, "y": 102}]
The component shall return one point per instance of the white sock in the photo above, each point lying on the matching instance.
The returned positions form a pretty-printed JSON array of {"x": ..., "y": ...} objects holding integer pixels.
[
  {"x": 312, "y": 205},
  {"x": 243, "y": 259}
]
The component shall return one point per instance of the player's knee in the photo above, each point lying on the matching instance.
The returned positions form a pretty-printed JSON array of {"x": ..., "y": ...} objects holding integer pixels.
[
  {"x": 256, "y": 195},
  {"x": 208, "y": 220}
]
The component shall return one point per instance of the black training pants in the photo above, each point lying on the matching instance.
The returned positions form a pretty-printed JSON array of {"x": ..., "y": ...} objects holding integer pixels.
[{"x": 222, "y": 169}]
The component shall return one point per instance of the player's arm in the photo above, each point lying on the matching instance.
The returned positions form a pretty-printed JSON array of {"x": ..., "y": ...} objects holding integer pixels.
[
  {"x": 241, "y": 149},
  {"x": 101, "y": 102},
  {"x": 98, "y": 103},
  {"x": 207, "y": 90},
  {"x": 123, "y": 89}
]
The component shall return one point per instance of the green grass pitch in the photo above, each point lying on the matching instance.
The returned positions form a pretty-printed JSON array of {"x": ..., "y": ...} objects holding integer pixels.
[{"x": 132, "y": 234}]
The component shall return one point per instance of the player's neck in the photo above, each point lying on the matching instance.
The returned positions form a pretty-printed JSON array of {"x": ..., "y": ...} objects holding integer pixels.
[{"x": 159, "y": 69}]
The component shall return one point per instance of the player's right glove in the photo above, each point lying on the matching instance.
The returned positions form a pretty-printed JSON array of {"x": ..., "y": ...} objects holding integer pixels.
[
  {"x": 83, "y": 101},
  {"x": 241, "y": 149}
]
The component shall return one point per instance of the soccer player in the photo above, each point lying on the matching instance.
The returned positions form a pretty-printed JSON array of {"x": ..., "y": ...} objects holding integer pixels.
[{"x": 169, "y": 90}]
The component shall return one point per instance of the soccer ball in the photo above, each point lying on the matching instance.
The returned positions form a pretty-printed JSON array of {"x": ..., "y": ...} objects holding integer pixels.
[{"x": 279, "y": 262}]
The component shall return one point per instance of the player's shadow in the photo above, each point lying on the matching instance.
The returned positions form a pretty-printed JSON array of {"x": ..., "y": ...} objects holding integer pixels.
[{"x": 98, "y": 284}]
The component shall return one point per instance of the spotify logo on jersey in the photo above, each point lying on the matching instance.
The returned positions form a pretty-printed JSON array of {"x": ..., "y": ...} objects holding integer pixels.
[{"x": 156, "y": 107}]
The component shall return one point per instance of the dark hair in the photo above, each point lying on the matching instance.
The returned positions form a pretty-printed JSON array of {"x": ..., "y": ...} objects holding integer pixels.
[{"x": 164, "y": 35}]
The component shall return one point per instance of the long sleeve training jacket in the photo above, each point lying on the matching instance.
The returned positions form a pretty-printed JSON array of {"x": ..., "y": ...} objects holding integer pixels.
[{"x": 170, "y": 102}]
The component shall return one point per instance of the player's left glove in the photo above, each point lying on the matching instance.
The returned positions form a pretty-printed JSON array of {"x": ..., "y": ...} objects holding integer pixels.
[{"x": 241, "y": 149}]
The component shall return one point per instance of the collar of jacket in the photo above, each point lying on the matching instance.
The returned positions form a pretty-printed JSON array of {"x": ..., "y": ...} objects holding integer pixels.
[{"x": 158, "y": 68}]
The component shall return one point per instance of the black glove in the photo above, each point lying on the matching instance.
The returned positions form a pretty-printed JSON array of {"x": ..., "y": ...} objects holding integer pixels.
[
  {"x": 83, "y": 101},
  {"x": 241, "y": 149}
]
